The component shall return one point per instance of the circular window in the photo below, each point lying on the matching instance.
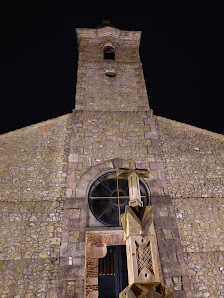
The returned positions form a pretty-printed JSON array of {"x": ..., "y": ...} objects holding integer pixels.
[{"x": 103, "y": 198}]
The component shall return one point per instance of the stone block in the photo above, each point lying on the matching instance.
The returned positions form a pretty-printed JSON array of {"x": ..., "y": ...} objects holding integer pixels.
[
  {"x": 74, "y": 213},
  {"x": 162, "y": 211},
  {"x": 156, "y": 165},
  {"x": 117, "y": 163},
  {"x": 151, "y": 135},
  {"x": 71, "y": 181},
  {"x": 75, "y": 203},
  {"x": 153, "y": 127},
  {"x": 55, "y": 241},
  {"x": 158, "y": 157},
  {"x": 64, "y": 238},
  {"x": 68, "y": 192},
  {"x": 161, "y": 201},
  {"x": 181, "y": 294},
  {"x": 143, "y": 108},
  {"x": 77, "y": 224},
  {"x": 73, "y": 157},
  {"x": 80, "y": 192},
  {"x": 151, "y": 149},
  {"x": 16, "y": 256},
  {"x": 148, "y": 121},
  {"x": 168, "y": 233},
  {"x": 51, "y": 294},
  {"x": 61, "y": 291},
  {"x": 43, "y": 255},
  {"x": 73, "y": 249},
  {"x": 76, "y": 149},
  {"x": 78, "y": 261},
  {"x": 161, "y": 174},
  {"x": 70, "y": 288},
  {"x": 166, "y": 246},
  {"x": 75, "y": 166},
  {"x": 155, "y": 144},
  {"x": 155, "y": 191},
  {"x": 153, "y": 183},
  {"x": 64, "y": 261},
  {"x": 73, "y": 236},
  {"x": 70, "y": 272},
  {"x": 77, "y": 123}
]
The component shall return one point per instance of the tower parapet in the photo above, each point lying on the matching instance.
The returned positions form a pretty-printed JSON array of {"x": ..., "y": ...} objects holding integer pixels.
[{"x": 110, "y": 76}]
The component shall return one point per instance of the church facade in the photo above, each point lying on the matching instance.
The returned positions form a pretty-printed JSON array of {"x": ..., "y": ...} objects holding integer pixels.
[{"x": 61, "y": 200}]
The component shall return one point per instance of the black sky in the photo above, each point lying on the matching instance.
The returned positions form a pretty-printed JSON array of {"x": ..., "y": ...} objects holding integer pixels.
[{"x": 181, "y": 51}]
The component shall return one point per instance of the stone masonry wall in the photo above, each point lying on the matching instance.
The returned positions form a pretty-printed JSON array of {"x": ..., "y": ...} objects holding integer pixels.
[
  {"x": 109, "y": 135},
  {"x": 115, "y": 96},
  {"x": 96, "y": 91},
  {"x": 201, "y": 225},
  {"x": 194, "y": 167},
  {"x": 102, "y": 141},
  {"x": 100, "y": 136},
  {"x": 33, "y": 179},
  {"x": 111, "y": 123},
  {"x": 194, "y": 160},
  {"x": 99, "y": 141}
]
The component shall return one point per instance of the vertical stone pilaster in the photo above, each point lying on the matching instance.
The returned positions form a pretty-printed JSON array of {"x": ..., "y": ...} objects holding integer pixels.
[
  {"x": 173, "y": 266},
  {"x": 71, "y": 278},
  {"x": 72, "y": 255}
]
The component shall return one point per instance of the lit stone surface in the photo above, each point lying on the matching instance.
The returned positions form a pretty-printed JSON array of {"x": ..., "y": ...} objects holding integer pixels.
[
  {"x": 193, "y": 160},
  {"x": 46, "y": 170},
  {"x": 33, "y": 170},
  {"x": 201, "y": 230},
  {"x": 96, "y": 91},
  {"x": 108, "y": 135}
]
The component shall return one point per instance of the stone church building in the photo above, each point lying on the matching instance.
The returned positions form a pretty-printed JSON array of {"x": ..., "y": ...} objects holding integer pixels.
[{"x": 61, "y": 199}]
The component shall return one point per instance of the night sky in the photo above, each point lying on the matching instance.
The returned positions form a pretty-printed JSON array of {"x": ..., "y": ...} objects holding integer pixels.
[{"x": 181, "y": 52}]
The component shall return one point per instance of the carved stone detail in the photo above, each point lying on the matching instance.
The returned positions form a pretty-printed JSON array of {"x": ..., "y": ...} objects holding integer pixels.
[
  {"x": 147, "y": 290},
  {"x": 141, "y": 245}
]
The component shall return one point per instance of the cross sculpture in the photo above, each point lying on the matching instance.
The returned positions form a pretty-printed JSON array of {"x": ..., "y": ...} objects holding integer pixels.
[
  {"x": 133, "y": 176},
  {"x": 144, "y": 275}
]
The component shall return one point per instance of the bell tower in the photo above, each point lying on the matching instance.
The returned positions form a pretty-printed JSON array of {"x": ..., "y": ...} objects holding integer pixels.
[
  {"x": 110, "y": 76},
  {"x": 112, "y": 123}
]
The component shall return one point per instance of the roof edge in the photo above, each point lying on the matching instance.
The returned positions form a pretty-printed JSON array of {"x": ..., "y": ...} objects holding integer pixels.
[
  {"x": 195, "y": 128},
  {"x": 38, "y": 124}
]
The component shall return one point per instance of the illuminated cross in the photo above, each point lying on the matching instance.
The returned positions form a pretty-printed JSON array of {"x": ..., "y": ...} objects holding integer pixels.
[{"x": 133, "y": 176}]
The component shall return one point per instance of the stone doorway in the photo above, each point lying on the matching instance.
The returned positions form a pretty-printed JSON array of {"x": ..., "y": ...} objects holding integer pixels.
[{"x": 97, "y": 244}]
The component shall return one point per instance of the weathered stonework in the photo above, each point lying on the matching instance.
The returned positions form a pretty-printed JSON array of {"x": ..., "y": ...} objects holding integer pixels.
[
  {"x": 47, "y": 169},
  {"x": 193, "y": 160},
  {"x": 33, "y": 180},
  {"x": 95, "y": 91},
  {"x": 97, "y": 242},
  {"x": 200, "y": 222},
  {"x": 110, "y": 135}
]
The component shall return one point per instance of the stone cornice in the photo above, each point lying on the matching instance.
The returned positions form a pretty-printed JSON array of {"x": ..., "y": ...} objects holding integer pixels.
[{"x": 108, "y": 31}]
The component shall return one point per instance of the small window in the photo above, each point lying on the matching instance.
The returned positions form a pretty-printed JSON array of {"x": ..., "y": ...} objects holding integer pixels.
[
  {"x": 109, "y": 53},
  {"x": 110, "y": 73}
]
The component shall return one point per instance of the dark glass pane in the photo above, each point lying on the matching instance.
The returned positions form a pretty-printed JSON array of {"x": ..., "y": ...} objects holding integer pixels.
[{"x": 105, "y": 209}]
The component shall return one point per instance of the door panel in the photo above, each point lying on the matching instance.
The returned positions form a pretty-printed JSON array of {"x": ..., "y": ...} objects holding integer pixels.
[{"x": 113, "y": 276}]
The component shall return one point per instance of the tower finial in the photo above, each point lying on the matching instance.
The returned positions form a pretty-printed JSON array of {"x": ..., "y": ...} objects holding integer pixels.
[{"x": 105, "y": 23}]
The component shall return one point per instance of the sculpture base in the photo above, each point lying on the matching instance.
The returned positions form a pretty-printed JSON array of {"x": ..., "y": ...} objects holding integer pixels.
[{"x": 147, "y": 290}]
